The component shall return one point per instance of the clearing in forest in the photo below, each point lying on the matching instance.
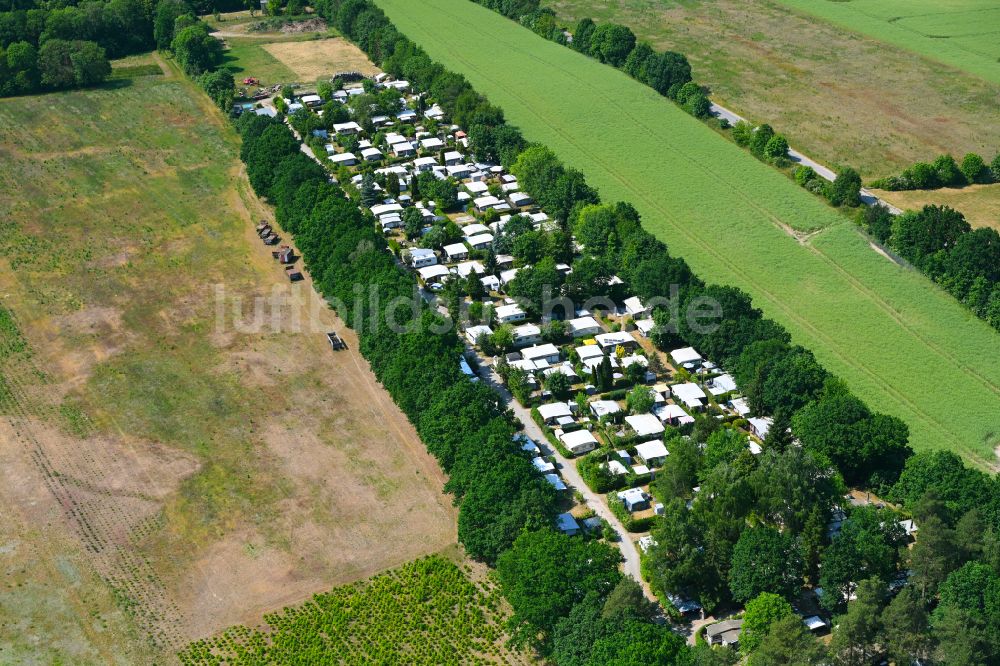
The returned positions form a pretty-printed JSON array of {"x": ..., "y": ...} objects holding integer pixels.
[
  {"x": 168, "y": 476},
  {"x": 903, "y": 344}
]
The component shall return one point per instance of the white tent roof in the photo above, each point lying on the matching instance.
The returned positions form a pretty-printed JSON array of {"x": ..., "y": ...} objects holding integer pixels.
[
  {"x": 650, "y": 450},
  {"x": 645, "y": 425},
  {"x": 685, "y": 355},
  {"x": 554, "y": 410}
]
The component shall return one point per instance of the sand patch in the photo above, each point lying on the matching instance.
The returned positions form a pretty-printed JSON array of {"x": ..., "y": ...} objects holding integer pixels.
[{"x": 321, "y": 58}]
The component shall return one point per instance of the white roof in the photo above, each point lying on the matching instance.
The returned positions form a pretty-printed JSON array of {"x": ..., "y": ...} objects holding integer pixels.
[
  {"x": 632, "y": 495},
  {"x": 556, "y": 482},
  {"x": 432, "y": 142},
  {"x": 685, "y": 355},
  {"x": 667, "y": 412},
  {"x": 645, "y": 425},
  {"x": 602, "y": 407},
  {"x": 371, "y": 152},
  {"x": 467, "y": 268},
  {"x": 475, "y": 229},
  {"x": 343, "y": 157},
  {"x": 577, "y": 439},
  {"x": 340, "y": 127},
  {"x": 526, "y": 331},
  {"x": 308, "y": 99},
  {"x": 583, "y": 324},
  {"x": 690, "y": 394},
  {"x": 425, "y": 161},
  {"x": 540, "y": 351},
  {"x": 455, "y": 248},
  {"x": 761, "y": 425},
  {"x": 473, "y": 332},
  {"x": 650, "y": 450},
  {"x": 542, "y": 465},
  {"x": 589, "y": 351},
  {"x": 610, "y": 339},
  {"x": 479, "y": 239},
  {"x": 634, "y": 305},
  {"x": 382, "y": 209},
  {"x": 430, "y": 273},
  {"x": 487, "y": 201},
  {"x": 617, "y": 468},
  {"x": 508, "y": 275},
  {"x": 740, "y": 406},
  {"x": 452, "y": 155},
  {"x": 505, "y": 311},
  {"x": 554, "y": 410},
  {"x": 567, "y": 523},
  {"x": 644, "y": 325},
  {"x": 722, "y": 384},
  {"x": 814, "y": 622}
]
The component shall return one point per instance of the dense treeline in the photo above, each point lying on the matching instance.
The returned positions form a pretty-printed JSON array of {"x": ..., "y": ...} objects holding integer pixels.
[
  {"x": 51, "y": 46},
  {"x": 941, "y": 243},
  {"x": 577, "y": 609},
  {"x": 943, "y": 172},
  {"x": 46, "y": 47}
]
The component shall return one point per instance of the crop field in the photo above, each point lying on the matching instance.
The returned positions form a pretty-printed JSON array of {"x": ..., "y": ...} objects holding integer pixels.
[
  {"x": 903, "y": 344},
  {"x": 427, "y": 612},
  {"x": 962, "y": 33},
  {"x": 838, "y": 97},
  {"x": 168, "y": 467}
]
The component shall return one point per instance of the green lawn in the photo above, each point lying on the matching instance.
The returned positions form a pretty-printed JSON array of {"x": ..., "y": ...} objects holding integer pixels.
[
  {"x": 903, "y": 344},
  {"x": 962, "y": 33}
]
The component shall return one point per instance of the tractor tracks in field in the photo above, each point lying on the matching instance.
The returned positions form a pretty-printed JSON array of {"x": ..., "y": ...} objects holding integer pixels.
[{"x": 107, "y": 522}]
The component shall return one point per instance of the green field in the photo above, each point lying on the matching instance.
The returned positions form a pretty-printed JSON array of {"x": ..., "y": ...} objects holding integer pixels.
[
  {"x": 903, "y": 344},
  {"x": 962, "y": 33},
  {"x": 426, "y": 612},
  {"x": 837, "y": 97}
]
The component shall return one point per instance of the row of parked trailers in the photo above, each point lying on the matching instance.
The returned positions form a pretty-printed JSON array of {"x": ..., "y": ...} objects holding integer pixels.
[{"x": 285, "y": 255}]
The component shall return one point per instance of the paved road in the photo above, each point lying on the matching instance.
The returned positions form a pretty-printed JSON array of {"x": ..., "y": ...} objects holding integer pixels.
[
  {"x": 867, "y": 197},
  {"x": 570, "y": 475}
]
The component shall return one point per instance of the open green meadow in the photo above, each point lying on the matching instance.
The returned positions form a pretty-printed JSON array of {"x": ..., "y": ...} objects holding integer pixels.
[
  {"x": 962, "y": 33},
  {"x": 903, "y": 344}
]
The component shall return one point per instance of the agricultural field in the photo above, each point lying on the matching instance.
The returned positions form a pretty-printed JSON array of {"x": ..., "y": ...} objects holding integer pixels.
[
  {"x": 964, "y": 34},
  {"x": 979, "y": 203},
  {"x": 296, "y": 52},
  {"x": 838, "y": 97},
  {"x": 901, "y": 343},
  {"x": 426, "y": 612},
  {"x": 171, "y": 466}
]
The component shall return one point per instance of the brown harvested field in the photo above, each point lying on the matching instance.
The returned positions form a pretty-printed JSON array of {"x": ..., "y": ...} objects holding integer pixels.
[
  {"x": 314, "y": 59},
  {"x": 169, "y": 476},
  {"x": 979, "y": 203},
  {"x": 839, "y": 97}
]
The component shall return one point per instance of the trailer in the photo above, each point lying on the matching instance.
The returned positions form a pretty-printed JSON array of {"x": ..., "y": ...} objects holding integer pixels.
[
  {"x": 336, "y": 342},
  {"x": 295, "y": 276},
  {"x": 273, "y": 239}
]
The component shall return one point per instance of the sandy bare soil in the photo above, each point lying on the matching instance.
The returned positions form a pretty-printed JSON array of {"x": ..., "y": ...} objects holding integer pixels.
[{"x": 319, "y": 58}]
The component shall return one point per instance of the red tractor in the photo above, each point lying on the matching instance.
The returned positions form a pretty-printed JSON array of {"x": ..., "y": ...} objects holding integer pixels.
[{"x": 251, "y": 81}]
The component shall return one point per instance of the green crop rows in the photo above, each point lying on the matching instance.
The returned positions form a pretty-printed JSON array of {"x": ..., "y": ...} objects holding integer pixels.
[
  {"x": 425, "y": 612},
  {"x": 901, "y": 343},
  {"x": 961, "y": 33}
]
